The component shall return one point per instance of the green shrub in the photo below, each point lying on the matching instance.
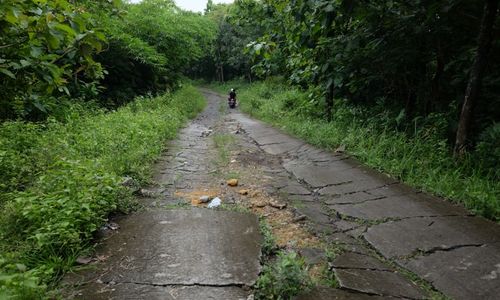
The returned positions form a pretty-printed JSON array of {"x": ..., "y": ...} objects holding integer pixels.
[
  {"x": 269, "y": 242},
  {"x": 283, "y": 279},
  {"x": 61, "y": 180},
  {"x": 16, "y": 282}
]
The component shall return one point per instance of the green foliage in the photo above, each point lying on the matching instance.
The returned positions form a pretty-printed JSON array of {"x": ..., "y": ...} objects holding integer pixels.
[
  {"x": 16, "y": 282},
  {"x": 328, "y": 277},
  {"x": 269, "y": 242},
  {"x": 57, "y": 52},
  {"x": 420, "y": 157},
  {"x": 45, "y": 46},
  {"x": 61, "y": 180},
  {"x": 414, "y": 56},
  {"x": 283, "y": 279},
  {"x": 152, "y": 44}
]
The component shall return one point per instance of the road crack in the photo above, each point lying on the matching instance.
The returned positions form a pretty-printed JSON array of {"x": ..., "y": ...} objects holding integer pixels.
[
  {"x": 419, "y": 252},
  {"x": 239, "y": 285}
]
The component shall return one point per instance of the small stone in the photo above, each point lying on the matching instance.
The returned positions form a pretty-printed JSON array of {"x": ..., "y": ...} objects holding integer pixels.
[
  {"x": 277, "y": 204},
  {"x": 206, "y": 133},
  {"x": 299, "y": 218},
  {"x": 204, "y": 199},
  {"x": 113, "y": 226},
  {"x": 99, "y": 281},
  {"x": 147, "y": 193},
  {"x": 83, "y": 260},
  {"x": 243, "y": 192},
  {"x": 232, "y": 182}
]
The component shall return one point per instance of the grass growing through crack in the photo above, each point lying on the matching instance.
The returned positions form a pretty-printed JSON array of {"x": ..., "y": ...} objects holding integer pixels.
[
  {"x": 222, "y": 143},
  {"x": 328, "y": 277},
  {"x": 269, "y": 242}
]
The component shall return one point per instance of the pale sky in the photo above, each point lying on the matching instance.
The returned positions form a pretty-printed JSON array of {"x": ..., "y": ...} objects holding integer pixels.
[{"x": 193, "y": 5}]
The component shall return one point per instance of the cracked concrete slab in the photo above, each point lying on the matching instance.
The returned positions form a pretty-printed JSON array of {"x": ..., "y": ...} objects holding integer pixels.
[
  {"x": 407, "y": 236},
  {"x": 468, "y": 272},
  {"x": 318, "y": 177},
  {"x": 376, "y": 282},
  {"x": 130, "y": 291},
  {"x": 352, "y": 260},
  {"x": 392, "y": 190},
  {"x": 295, "y": 189},
  {"x": 281, "y": 147},
  {"x": 314, "y": 212},
  {"x": 351, "y": 186},
  {"x": 182, "y": 247},
  {"x": 357, "y": 197},
  {"x": 398, "y": 207},
  {"x": 326, "y": 293}
]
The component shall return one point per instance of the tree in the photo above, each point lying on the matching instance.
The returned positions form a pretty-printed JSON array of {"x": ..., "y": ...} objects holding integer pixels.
[
  {"x": 209, "y": 7},
  {"x": 474, "y": 84}
]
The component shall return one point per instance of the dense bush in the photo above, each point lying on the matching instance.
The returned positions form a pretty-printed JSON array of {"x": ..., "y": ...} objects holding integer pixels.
[
  {"x": 61, "y": 180},
  {"x": 418, "y": 155}
]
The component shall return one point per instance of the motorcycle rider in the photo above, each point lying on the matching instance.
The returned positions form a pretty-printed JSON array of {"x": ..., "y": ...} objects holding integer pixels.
[
  {"x": 232, "y": 98},
  {"x": 232, "y": 94}
]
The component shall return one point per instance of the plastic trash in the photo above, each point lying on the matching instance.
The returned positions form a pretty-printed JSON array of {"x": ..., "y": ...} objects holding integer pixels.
[{"x": 214, "y": 203}]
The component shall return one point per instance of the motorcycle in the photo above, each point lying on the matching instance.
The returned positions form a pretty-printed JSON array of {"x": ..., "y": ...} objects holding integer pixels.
[{"x": 232, "y": 102}]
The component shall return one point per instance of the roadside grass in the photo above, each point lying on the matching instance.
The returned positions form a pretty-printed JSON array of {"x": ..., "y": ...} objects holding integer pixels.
[
  {"x": 60, "y": 181},
  {"x": 419, "y": 157}
]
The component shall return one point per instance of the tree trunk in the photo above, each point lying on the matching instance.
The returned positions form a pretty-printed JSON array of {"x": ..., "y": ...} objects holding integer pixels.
[
  {"x": 221, "y": 73},
  {"x": 473, "y": 86},
  {"x": 329, "y": 102}
]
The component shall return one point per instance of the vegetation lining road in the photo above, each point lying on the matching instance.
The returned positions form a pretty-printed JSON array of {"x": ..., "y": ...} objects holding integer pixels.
[
  {"x": 61, "y": 180},
  {"x": 408, "y": 87}
]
